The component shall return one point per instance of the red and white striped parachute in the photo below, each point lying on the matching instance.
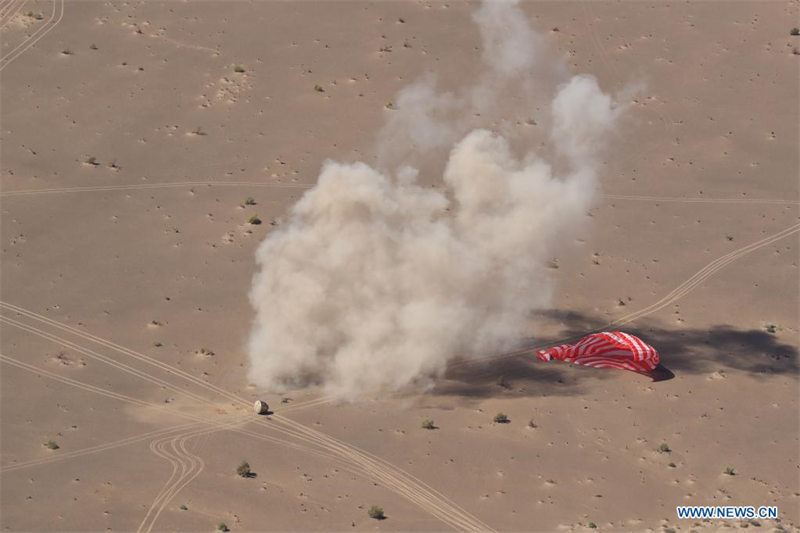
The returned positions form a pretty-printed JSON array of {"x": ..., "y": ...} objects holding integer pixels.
[{"x": 609, "y": 349}]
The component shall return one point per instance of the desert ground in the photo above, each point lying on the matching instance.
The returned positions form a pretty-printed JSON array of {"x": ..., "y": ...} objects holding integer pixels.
[{"x": 132, "y": 132}]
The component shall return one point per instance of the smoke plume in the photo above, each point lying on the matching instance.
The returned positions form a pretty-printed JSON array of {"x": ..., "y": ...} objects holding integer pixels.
[{"x": 375, "y": 281}]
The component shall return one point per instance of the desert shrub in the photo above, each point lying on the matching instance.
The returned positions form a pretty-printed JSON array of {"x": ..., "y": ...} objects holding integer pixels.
[
  {"x": 501, "y": 418},
  {"x": 664, "y": 448},
  {"x": 249, "y": 201},
  {"x": 794, "y": 31},
  {"x": 428, "y": 424},
  {"x": 183, "y": 507},
  {"x": 254, "y": 220},
  {"x": 244, "y": 469},
  {"x": 592, "y": 525},
  {"x": 222, "y": 526},
  {"x": 771, "y": 328},
  {"x": 238, "y": 68},
  {"x": 319, "y": 88},
  {"x": 730, "y": 471},
  {"x": 51, "y": 444},
  {"x": 376, "y": 512}
]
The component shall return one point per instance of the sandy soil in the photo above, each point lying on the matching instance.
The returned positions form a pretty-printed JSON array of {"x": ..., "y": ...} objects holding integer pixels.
[{"x": 129, "y": 142}]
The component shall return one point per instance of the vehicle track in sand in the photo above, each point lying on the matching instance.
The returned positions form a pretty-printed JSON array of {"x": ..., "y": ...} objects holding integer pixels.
[
  {"x": 697, "y": 200},
  {"x": 387, "y": 474},
  {"x": 55, "y": 17},
  {"x": 179, "y": 184},
  {"x": 186, "y": 466},
  {"x": 9, "y": 10},
  {"x": 146, "y": 186},
  {"x": 196, "y": 421},
  {"x": 98, "y": 448},
  {"x": 378, "y": 469},
  {"x": 679, "y": 292}
]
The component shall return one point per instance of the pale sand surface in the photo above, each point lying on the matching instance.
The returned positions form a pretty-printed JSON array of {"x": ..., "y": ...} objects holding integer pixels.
[{"x": 92, "y": 254}]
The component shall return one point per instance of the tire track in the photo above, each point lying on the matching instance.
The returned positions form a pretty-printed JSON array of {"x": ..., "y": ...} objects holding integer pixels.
[
  {"x": 123, "y": 350},
  {"x": 701, "y": 200},
  {"x": 703, "y": 274},
  {"x": 190, "y": 464},
  {"x": 5, "y": 17},
  {"x": 389, "y": 475},
  {"x": 405, "y": 484},
  {"x": 169, "y": 185},
  {"x": 679, "y": 292},
  {"x": 98, "y": 448},
  {"x": 145, "y": 186},
  {"x": 309, "y": 403},
  {"x": 108, "y": 360},
  {"x": 104, "y": 392},
  {"x": 55, "y": 18}
]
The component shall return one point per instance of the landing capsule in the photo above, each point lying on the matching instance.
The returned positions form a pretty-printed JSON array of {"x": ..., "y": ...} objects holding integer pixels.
[{"x": 261, "y": 407}]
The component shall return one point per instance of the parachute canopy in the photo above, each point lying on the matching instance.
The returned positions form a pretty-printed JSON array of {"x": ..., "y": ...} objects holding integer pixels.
[{"x": 609, "y": 349}]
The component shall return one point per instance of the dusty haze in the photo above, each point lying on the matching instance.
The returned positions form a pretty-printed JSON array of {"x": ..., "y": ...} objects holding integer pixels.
[{"x": 376, "y": 281}]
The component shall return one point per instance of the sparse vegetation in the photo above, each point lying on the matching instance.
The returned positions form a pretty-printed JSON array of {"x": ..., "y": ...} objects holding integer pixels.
[
  {"x": 794, "y": 31},
  {"x": 92, "y": 161},
  {"x": 771, "y": 328},
  {"x": 206, "y": 352},
  {"x": 249, "y": 201},
  {"x": 285, "y": 400},
  {"x": 254, "y": 220},
  {"x": 319, "y": 88},
  {"x": 222, "y": 526},
  {"x": 51, "y": 444},
  {"x": 664, "y": 448},
  {"x": 243, "y": 469},
  {"x": 553, "y": 263},
  {"x": 672, "y": 465},
  {"x": 389, "y": 105},
  {"x": 501, "y": 418},
  {"x": 592, "y": 525},
  {"x": 730, "y": 471},
  {"x": 183, "y": 507},
  {"x": 239, "y": 68},
  {"x": 428, "y": 424},
  {"x": 66, "y": 52},
  {"x": 93, "y": 46},
  {"x": 376, "y": 512},
  {"x": 37, "y": 16},
  {"x": 532, "y": 424},
  {"x": 199, "y": 131}
]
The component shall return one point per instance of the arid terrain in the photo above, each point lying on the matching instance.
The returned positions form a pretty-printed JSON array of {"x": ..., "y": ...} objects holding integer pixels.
[{"x": 132, "y": 135}]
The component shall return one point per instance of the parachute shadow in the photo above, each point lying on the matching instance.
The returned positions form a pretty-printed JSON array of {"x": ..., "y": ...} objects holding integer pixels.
[{"x": 682, "y": 351}]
